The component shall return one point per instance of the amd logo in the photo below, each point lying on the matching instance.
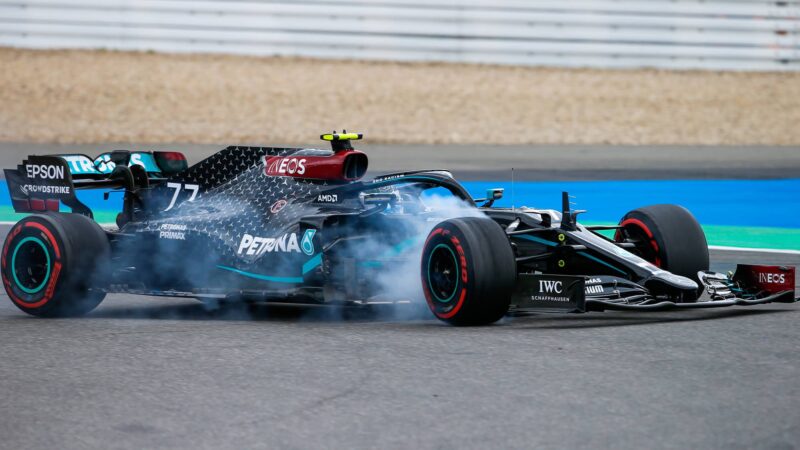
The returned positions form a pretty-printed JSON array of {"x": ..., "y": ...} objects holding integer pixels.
[
  {"x": 551, "y": 286},
  {"x": 285, "y": 166},
  {"x": 772, "y": 278},
  {"x": 328, "y": 198},
  {"x": 45, "y": 172}
]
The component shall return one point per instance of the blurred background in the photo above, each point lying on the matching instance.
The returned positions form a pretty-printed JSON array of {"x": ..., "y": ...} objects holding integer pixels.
[{"x": 621, "y": 102}]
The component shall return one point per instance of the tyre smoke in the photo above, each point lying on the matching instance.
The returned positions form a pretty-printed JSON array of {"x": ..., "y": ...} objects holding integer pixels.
[
  {"x": 402, "y": 280},
  {"x": 177, "y": 254}
]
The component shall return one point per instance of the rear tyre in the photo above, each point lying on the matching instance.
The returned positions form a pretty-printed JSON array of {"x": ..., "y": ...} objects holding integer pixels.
[
  {"x": 54, "y": 265},
  {"x": 468, "y": 271},
  {"x": 668, "y": 236}
]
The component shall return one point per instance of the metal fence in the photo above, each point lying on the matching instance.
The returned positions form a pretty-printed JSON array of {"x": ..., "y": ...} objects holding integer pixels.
[{"x": 682, "y": 34}]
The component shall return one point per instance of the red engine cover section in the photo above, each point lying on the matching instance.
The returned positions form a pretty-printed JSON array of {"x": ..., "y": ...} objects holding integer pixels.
[
  {"x": 772, "y": 279},
  {"x": 341, "y": 166}
]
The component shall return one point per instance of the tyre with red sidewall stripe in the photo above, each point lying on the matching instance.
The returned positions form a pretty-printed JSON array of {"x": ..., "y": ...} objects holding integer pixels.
[
  {"x": 468, "y": 271},
  {"x": 54, "y": 265},
  {"x": 668, "y": 236}
]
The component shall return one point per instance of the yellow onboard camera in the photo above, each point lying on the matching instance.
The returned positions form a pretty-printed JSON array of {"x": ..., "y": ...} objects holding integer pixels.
[{"x": 341, "y": 141}]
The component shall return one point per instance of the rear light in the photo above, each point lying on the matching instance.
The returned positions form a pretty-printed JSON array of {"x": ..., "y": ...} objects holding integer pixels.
[
  {"x": 37, "y": 204},
  {"x": 171, "y": 162},
  {"x": 21, "y": 205},
  {"x": 173, "y": 156}
]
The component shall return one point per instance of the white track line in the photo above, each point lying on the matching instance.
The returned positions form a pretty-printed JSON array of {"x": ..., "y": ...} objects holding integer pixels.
[{"x": 758, "y": 250}]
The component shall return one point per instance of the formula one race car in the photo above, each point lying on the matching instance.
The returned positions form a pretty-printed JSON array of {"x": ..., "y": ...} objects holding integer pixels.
[{"x": 296, "y": 225}]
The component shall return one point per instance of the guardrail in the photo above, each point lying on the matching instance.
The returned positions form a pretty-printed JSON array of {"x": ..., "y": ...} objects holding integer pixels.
[{"x": 688, "y": 34}]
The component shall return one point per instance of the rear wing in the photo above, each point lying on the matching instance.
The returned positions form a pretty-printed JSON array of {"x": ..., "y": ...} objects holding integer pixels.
[
  {"x": 155, "y": 164},
  {"x": 43, "y": 183}
]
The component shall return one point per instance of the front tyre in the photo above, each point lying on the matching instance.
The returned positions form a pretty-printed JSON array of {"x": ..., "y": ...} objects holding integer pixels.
[
  {"x": 468, "y": 271},
  {"x": 668, "y": 236},
  {"x": 53, "y": 265}
]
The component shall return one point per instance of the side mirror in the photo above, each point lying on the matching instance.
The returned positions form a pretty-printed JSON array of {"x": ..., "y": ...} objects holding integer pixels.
[
  {"x": 378, "y": 198},
  {"x": 491, "y": 196}
]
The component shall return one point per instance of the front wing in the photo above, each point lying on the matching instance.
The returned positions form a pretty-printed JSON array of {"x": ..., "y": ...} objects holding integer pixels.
[{"x": 748, "y": 286}]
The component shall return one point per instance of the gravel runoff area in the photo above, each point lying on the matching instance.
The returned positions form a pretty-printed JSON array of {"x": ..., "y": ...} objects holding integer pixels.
[{"x": 100, "y": 96}]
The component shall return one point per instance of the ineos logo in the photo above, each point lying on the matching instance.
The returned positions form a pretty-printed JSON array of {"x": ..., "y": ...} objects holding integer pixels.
[
  {"x": 772, "y": 278},
  {"x": 45, "y": 172},
  {"x": 287, "y": 166},
  {"x": 551, "y": 286}
]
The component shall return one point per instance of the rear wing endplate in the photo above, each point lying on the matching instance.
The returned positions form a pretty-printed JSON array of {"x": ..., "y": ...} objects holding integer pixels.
[{"x": 41, "y": 183}]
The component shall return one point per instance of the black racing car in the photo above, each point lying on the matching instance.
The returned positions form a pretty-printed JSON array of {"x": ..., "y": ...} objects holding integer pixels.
[{"x": 297, "y": 225}]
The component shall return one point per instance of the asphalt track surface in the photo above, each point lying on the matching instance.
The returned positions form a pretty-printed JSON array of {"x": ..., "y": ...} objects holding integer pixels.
[
  {"x": 144, "y": 372},
  {"x": 162, "y": 373}
]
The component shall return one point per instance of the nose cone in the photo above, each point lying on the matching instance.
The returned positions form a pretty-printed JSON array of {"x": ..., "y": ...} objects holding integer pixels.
[{"x": 676, "y": 281}]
